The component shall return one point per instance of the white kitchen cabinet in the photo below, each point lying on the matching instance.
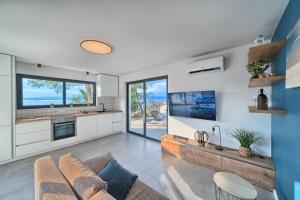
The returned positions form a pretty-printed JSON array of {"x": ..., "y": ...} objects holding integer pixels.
[
  {"x": 35, "y": 126},
  {"x": 103, "y": 85},
  {"x": 86, "y": 127},
  {"x": 114, "y": 86},
  {"x": 33, "y": 148},
  {"x": 6, "y": 107},
  {"x": 117, "y": 117},
  {"x": 5, "y": 99},
  {"x": 5, "y": 143},
  {"x": 32, "y": 137},
  {"x": 117, "y": 127},
  {"x": 104, "y": 124},
  {"x": 107, "y": 85}
]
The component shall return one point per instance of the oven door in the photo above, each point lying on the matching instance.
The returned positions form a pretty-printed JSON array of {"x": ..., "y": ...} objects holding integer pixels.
[{"x": 63, "y": 130}]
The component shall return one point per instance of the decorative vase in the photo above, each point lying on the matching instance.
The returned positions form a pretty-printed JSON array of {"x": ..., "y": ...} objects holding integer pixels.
[
  {"x": 201, "y": 137},
  {"x": 246, "y": 152},
  {"x": 262, "y": 100}
]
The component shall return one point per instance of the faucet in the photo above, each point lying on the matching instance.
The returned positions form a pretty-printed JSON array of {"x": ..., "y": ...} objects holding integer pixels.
[{"x": 218, "y": 147}]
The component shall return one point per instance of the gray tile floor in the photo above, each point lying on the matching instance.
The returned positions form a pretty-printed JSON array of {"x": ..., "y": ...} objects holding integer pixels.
[{"x": 175, "y": 178}]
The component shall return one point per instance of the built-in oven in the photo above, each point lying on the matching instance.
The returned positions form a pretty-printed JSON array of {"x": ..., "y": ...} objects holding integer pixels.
[{"x": 63, "y": 127}]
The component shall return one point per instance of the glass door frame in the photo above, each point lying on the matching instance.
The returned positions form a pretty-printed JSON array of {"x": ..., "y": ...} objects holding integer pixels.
[{"x": 145, "y": 104}]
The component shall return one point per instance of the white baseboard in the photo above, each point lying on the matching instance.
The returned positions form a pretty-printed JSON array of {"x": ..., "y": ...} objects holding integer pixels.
[{"x": 275, "y": 194}]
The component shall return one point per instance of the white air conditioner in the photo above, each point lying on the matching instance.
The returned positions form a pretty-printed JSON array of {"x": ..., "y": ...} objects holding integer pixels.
[{"x": 210, "y": 64}]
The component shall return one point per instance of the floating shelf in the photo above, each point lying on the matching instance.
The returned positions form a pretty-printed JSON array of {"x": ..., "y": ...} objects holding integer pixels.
[
  {"x": 265, "y": 51},
  {"x": 267, "y": 81},
  {"x": 253, "y": 109}
]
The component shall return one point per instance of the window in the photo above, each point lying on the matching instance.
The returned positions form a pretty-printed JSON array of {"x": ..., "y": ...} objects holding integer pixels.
[
  {"x": 79, "y": 93},
  {"x": 43, "y": 92}
]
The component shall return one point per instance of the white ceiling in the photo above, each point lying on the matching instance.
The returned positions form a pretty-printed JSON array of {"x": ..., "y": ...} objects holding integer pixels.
[{"x": 143, "y": 33}]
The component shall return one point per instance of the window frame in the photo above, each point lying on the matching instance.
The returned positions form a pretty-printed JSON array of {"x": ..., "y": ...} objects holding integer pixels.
[{"x": 19, "y": 86}]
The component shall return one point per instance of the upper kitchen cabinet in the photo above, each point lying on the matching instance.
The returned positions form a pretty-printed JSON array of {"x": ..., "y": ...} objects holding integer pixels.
[
  {"x": 114, "y": 86},
  {"x": 107, "y": 86}
]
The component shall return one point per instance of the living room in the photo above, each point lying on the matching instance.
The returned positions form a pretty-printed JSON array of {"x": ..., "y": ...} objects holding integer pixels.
[{"x": 149, "y": 100}]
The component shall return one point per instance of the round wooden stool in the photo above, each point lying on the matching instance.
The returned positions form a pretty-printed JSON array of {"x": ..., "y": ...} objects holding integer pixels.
[{"x": 231, "y": 186}]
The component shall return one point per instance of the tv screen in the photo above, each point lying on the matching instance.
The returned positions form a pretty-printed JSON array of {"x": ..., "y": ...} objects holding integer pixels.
[{"x": 200, "y": 105}]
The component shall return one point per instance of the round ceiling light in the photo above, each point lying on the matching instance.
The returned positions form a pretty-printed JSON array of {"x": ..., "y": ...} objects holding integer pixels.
[{"x": 96, "y": 46}]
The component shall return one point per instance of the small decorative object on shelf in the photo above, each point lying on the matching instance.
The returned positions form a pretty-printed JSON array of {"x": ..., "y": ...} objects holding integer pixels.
[
  {"x": 246, "y": 139},
  {"x": 262, "y": 100},
  {"x": 201, "y": 137},
  {"x": 258, "y": 67},
  {"x": 51, "y": 105}
]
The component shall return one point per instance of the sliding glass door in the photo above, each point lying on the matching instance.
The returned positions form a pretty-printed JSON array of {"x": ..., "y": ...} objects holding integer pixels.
[
  {"x": 147, "y": 107},
  {"x": 136, "y": 107}
]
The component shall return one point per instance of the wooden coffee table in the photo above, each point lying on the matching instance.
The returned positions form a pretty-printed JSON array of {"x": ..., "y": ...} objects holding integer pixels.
[{"x": 231, "y": 186}]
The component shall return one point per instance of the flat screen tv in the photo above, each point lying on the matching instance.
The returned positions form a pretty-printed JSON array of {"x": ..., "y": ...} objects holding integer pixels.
[{"x": 200, "y": 105}]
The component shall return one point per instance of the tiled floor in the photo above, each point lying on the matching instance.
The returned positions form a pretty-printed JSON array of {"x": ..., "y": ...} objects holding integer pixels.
[{"x": 172, "y": 177}]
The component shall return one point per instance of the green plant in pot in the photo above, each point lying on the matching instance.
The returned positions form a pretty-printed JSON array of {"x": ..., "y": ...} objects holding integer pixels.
[
  {"x": 258, "y": 67},
  {"x": 246, "y": 139}
]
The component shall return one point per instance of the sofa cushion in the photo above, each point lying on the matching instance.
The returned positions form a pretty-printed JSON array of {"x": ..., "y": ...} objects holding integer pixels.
[
  {"x": 119, "y": 179},
  {"x": 140, "y": 190},
  {"x": 98, "y": 163},
  {"x": 102, "y": 195},
  {"x": 50, "y": 183},
  {"x": 83, "y": 180}
]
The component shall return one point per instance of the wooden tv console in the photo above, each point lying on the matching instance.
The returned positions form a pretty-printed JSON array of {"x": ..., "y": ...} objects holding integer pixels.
[{"x": 259, "y": 170}]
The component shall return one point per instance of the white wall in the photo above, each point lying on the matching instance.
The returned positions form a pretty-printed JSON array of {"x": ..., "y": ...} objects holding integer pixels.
[
  {"x": 29, "y": 68},
  {"x": 232, "y": 95}
]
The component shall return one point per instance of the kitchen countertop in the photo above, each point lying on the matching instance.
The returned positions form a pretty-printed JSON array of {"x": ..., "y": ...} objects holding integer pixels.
[{"x": 81, "y": 114}]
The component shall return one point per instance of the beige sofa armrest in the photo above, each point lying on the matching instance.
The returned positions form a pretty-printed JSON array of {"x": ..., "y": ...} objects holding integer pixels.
[
  {"x": 102, "y": 195},
  {"x": 50, "y": 184}
]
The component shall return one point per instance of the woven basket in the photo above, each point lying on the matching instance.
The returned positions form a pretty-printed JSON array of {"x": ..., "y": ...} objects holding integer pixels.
[{"x": 246, "y": 152}]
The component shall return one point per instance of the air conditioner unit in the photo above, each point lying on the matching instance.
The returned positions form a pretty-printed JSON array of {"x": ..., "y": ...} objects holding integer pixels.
[{"x": 211, "y": 64}]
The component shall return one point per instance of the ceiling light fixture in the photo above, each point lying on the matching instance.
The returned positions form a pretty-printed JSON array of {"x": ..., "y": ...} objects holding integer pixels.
[{"x": 96, "y": 46}]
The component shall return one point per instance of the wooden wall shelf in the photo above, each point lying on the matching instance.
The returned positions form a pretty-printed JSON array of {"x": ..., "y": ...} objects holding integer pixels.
[
  {"x": 253, "y": 109},
  {"x": 268, "y": 81},
  {"x": 265, "y": 51}
]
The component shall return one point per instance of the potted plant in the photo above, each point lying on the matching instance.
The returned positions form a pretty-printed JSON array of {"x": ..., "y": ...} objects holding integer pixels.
[
  {"x": 258, "y": 67},
  {"x": 246, "y": 139}
]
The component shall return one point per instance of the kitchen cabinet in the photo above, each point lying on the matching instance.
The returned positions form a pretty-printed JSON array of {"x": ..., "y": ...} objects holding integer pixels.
[
  {"x": 32, "y": 137},
  {"x": 117, "y": 127},
  {"x": 117, "y": 117},
  {"x": 35, "y": 126},
  {"x": 32, "y": 148},
  {"x": 117, "y": 122},
  {"x": 5, "y": 143},
  {"x": 86, "y": 127},
  {"x": 104, "y": 124},
  {"x": 114, "y": 86},
  {"x": 5, "y": 99},
  {"x": 107, "y": 85},
  {"x": 6, "y": 106}
]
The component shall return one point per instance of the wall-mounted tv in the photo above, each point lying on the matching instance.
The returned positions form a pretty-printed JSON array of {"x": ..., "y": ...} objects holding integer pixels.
[{"x": 199, "y": 104}]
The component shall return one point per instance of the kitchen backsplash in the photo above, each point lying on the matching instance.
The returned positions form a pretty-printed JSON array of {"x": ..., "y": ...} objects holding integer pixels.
[{"x": 110, "y": 103}]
